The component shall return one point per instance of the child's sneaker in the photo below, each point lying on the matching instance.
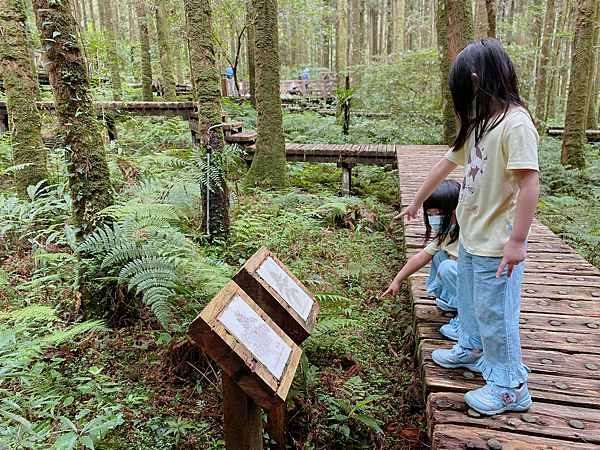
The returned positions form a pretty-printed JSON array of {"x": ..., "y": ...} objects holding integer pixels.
[
  {"x": 457, "y": 357},
  {"x": 445, "y": 306},
  {"x": 493, "y": 399},
  {"x": 450, "y": 330}
]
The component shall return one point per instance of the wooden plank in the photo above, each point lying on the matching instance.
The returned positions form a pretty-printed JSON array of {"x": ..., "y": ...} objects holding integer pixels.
[
  {"x": 551, "y": 421},
  {"x": 455, "y": 437}
]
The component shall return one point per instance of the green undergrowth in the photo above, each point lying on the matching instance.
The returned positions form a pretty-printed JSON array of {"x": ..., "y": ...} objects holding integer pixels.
[{"x": 570, "y": 199}]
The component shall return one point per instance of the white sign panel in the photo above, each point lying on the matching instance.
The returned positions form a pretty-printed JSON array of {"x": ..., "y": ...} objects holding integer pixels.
[
  {"x": 273, "y": 274},
  {"x": 258, "y": 337}
]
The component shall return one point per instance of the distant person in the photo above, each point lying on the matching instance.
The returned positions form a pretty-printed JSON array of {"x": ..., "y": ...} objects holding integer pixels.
[
  {"x": 305, "y": 77},
  {"x": 230, "y": 81}
]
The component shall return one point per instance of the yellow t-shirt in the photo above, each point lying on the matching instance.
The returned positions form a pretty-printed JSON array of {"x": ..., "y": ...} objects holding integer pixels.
[
  {"x": 433, "y": 247},
  {"x": 489, "y": 190}
]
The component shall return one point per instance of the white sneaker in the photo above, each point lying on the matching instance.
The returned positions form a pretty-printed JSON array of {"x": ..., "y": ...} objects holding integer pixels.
[
  {"x": 450, "y": 330},
  {"x": 457, "y": 357},
  {"x": 445, "y": 306},
  {"x": 493, "y": 399}
]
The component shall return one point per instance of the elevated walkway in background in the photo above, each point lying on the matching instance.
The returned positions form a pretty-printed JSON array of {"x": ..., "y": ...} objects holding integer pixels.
[{"x": 560, "y": 336}]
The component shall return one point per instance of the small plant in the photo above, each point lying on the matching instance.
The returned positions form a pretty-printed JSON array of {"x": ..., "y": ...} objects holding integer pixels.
[{"x": 343, "y": 99}]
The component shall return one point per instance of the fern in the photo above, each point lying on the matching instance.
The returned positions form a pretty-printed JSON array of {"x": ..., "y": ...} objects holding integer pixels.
[{"x": 332, "y": 324}]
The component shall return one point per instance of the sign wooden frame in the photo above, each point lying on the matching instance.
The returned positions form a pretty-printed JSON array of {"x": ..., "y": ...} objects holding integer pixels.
[
  {"x": 233, "y": 355},
  {"x": 284, "y": 314}
]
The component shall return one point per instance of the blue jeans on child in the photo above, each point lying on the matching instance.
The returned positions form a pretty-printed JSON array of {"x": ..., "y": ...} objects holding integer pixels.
[
  {"x": 489, "y": 317},
  {"x": 442, "y": 281}
]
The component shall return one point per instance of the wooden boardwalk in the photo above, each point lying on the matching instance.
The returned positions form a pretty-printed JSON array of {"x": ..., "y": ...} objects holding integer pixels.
[{"x": 560, "y": 336}]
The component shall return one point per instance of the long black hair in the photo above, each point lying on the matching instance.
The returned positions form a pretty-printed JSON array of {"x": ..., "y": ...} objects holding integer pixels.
[
  {"x": 497, "y": 89},
  {"x": 444, "y": 198}
]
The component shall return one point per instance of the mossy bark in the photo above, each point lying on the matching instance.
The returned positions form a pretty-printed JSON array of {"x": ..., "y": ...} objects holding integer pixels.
[
  {"x": 89, "y": 176},
  {"x": 268, "y": 169},
  {"x": 341, "y": 43},
  {"x": 20, "y": 86},
  {"x": 166, "y": 62},
  {"x": 591, "y": 117},
  {"x": 448, "y": 116},
  {"x": 355, "y": 40},
  {"x": 111, "y": 51},
  {"x": 208, "y": 84},
  {"x": 581, "y": 70},
  {"x": 491, "y": 8},
  {"x": 542, "y": 78},
  {"x": 147, "y": 95},
  {"x": 250, "y": 16},
  {"x": 459, "y": 26}
]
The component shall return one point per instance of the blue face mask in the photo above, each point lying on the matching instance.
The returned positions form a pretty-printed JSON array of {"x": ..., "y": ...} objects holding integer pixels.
[{"x": 436, "y": 223}]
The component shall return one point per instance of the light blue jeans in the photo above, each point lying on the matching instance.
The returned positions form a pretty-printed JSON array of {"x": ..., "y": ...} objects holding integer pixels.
[
  {"x": 442, "y": 278},
  {"x": 489, "y": 310}
]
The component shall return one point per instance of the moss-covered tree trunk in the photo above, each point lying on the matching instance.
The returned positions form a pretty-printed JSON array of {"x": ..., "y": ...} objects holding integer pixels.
[
  {"x": 448, "y": 116},
  {"x": 459, "y": 26},
  {"x": 145, "y": 52},
  {"x": 111, "y": 51},
  {"x": 491, "y": 9},
  {"x": 355, "y": 40},
  {"x": 581, "y": 70},
  {"x": 542, "y": 78},
  {"x": 268, "y": 168},
  {"x": 208, "y": 91},
  {"x": 340, "y": 41},
  {"x": 591, "y": 117},
  {"x": 19, "y": 86},
  {"x": 166, "y": 62},
  {"x": 250, "y": 16},
  {"x": 89, "y": 176}
]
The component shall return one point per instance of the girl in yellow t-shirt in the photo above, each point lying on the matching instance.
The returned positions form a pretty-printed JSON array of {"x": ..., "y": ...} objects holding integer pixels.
[
  {"x": 497, "y": 145},
  {"x": 442, "y": 252}
]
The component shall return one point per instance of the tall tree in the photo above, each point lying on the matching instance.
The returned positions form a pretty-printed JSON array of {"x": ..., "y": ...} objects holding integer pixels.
[
  {"x": 491, "y": 8},
  {"x": 341, "y": 43},
  {"x": 581, "y": 69},
  {"x": 459, "y": 26},
  {"x": 166, "y": 63},
  {"x": 20, "y": 85},
  {"x": 448, "y": 116},
  {"x": 145, "y": 52},
  {"x": 250, "y": 17},
  {"x": 540, "y": 94},
  {"x": 111, "y": 50},
  {"x": 208, "y": 93},
  {"x": 591, "y": 117},
  {"x": 89, "y": 179},
  {"x": 268, "y": 167},
  {"x": 92, "y": 16}
]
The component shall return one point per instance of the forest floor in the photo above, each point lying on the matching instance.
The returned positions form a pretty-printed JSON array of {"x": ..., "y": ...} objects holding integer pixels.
[{"x": 148, "y": 387}]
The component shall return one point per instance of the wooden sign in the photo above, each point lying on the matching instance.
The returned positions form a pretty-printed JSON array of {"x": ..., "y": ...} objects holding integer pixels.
[
  {"x": 279, "y": 293},
  {"x": 258, "y": 356}
]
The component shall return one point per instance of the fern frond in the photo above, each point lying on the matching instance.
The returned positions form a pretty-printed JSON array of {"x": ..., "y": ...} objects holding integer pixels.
[
  {"x": 332, "y": 324},
  {"x": 60, "y": 336},
  {"x": 31, "y": 314}
]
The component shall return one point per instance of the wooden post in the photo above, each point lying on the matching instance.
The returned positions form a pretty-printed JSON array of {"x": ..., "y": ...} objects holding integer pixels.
[
  {"x": 275, "y": 426},
  {"x": 112, "y": 129},
  {"x": 346, "y": 177},
  {"x": 242, "y": 417},
  {"x": 224, "y": 92}
]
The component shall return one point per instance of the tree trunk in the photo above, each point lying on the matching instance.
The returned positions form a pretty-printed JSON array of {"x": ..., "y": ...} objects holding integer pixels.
[
  {"x": 540, "y": 93},
  {"x": 208, "y": 83},
  {"x": 83, "y": 10},
  {"x": 111, "y": 51},
  {"x": 100, "y": 14},
  {"x": 581, "y": 68},
  {"x": 166, "y": 63},
  {"x": 131, "y": 28},
  {"x": 459, "y": 26},
  {"x": 147, "y": 95},
  {"x": 92, "y": 15},
  {"x": 341, "y": 43},
  {"x": 374, "y": 33},
  {"x": 448, "y": 116},
  {"x": 268, "y": 168},
  {"x": 510, "y": 39},
  {"x": 389, "y": 25},
  {"x": 592, "y": 119},
  {"x": 19, "y": 87},
  {"x": 250, "y": 18},
  {"x": 355, "y": 40},
  {"x": 491, "y": 9},
  {"x": 89, "y": 178}
]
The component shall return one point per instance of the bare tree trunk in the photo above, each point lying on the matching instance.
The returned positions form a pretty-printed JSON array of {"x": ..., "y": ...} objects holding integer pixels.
[
  {"x": 592, "y": 118},
  {"x": 101, "y": 15},
  {"x": 448, "y": 116},
  {"x": 480, "y": 20},
  {"x": 341, "y": 43},
  {"x": 389, "y": 27},
  {"x": 89, "y": 178},
  {"x": 581, "y": 68},
  {"x": 268, "y": 167},
  {"x": 355, "y": 40},
  {"x": 166, "y": 62},
  {"x": 540, "y": 94},
  {"x": 92, "y": 15},
  {"x": 208, "y": 82},
  {"x": 250, "y": 18},
  {"x": 147, "y": 95},
  {"x": 111, "y": 51},
  {"x": 491, "y": 9},
  {"x": 19, "y": 86},
  {"x": 85, "y": 22}
]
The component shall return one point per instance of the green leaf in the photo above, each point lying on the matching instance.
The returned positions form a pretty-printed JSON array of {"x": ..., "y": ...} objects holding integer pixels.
[
  {"x": 68, "y": 401},
  {"x": 368, "y": 421},
  {"x": 87, "y": 441},
  {"x": 68, "y": 423},
  {"x": 66, "y": 441}
]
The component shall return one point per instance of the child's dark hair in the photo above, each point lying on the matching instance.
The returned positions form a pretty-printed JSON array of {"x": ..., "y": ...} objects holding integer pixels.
[
  {"x": 497, "y": 88},
  {"x": 444, "y": 198}
]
